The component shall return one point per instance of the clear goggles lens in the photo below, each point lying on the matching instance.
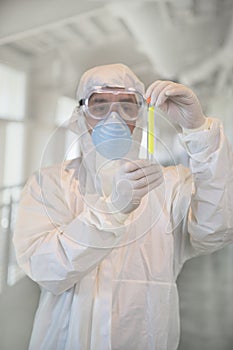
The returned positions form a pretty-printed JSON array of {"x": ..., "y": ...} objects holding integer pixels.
[{"x": 128, "y": 104}]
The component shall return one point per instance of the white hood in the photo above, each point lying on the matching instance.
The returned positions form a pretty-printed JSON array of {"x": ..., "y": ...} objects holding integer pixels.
[{"x": 94, "y": 166}]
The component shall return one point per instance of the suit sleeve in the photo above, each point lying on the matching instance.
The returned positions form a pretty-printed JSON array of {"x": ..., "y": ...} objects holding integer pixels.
[
  {"x": 203, "y": 203},
  {"x": 55, "y": 245}
]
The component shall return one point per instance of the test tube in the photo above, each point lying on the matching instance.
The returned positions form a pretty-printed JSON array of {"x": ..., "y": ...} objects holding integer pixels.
[{"x": 150, "y": 131}]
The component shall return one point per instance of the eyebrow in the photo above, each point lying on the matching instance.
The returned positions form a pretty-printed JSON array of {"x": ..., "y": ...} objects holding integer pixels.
[
  {"x": 102, "y": 99},
  {"x": 99, "y": 100},
  {"x": 128, "y": 99}
]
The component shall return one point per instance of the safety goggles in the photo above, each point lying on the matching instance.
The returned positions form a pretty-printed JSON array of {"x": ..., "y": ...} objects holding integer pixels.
[{"x": 101, "y": 102}]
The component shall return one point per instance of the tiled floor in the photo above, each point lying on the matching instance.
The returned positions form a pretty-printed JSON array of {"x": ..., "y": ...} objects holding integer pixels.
[{"x": 206, "y": 304}]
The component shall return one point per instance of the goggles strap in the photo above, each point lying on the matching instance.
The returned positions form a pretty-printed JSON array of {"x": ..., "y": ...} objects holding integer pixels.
[{"x": 81, "y": 102}]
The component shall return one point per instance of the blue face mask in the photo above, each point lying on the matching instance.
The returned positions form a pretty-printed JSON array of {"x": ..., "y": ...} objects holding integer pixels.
[{"x": 112, "y": 137}]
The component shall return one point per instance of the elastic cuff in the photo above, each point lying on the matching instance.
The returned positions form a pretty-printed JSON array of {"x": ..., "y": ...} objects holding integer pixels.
[
  {"x": 205, "y": 126},
  {"x": 201, "y": 145},
  {"x": 120, "y": 217}
]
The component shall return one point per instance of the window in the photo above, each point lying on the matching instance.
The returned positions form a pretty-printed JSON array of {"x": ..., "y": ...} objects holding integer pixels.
[
  {"x": 12, "y": 113},
  {"x": 65, "y": 108},
  {"x": 13, "y": 164},
  {"x": 12, "y": 93}
]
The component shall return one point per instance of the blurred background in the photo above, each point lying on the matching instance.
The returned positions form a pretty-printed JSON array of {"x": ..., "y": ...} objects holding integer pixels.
[{"x": 45, "y": 46}]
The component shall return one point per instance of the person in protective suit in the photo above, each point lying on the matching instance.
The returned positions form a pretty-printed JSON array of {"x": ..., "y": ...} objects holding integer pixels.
[{"x": 106, "y": 235}]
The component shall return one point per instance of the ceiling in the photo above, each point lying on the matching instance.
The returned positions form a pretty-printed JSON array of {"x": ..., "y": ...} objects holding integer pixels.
[{"x": 190, "y": 41}]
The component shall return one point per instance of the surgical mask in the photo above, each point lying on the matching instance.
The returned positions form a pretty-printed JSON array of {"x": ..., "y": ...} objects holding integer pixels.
[{"x": 112, "y": 137}]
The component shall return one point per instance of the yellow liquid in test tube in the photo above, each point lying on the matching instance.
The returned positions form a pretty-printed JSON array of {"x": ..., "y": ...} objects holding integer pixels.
[{"x": 150, "y": 131}]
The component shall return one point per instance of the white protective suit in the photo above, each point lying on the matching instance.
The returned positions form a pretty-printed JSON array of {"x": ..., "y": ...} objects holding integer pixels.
[{"x": 108, "y": 281}]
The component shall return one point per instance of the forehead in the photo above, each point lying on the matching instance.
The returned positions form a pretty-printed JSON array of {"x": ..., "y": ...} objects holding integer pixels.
[{"x": 112, "y": 94}]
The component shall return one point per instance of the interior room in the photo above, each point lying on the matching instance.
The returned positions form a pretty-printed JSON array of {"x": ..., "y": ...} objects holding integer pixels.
[{"x": 45, "y": 47}]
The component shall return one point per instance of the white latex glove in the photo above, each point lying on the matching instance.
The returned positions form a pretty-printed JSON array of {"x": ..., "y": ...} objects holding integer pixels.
[
  {"x": 179, "y": 103},
  {"x": 132, "y": 182}
]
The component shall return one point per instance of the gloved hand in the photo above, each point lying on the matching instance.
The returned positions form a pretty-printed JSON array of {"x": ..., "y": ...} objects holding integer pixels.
[
  {"x": 179, "y": 103},
  {"x": 132, "y": 182}
]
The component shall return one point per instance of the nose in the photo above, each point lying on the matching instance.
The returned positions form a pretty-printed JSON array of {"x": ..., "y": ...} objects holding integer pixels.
[
  {"x": 114, "y": 107},
  {"x": 118, "y": 118}
]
